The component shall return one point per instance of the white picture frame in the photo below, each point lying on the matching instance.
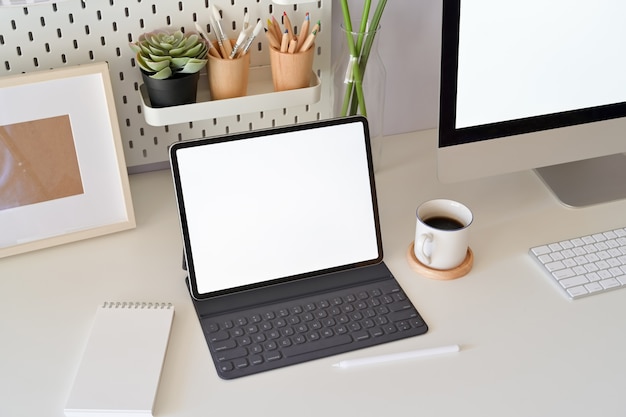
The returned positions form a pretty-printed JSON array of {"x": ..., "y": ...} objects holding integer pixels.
[{"x": 63, "y": 176}]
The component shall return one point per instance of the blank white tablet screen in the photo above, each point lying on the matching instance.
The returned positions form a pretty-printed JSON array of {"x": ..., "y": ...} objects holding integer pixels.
[{"x": 275, "y": 206}]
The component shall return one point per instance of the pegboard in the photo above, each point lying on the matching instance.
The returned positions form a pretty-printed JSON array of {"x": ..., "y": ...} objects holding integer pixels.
[{"x": 73, "y": 32}]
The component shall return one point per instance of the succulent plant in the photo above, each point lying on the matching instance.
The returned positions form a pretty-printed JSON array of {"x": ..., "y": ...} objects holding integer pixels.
[{"x": 163, "y": 55}]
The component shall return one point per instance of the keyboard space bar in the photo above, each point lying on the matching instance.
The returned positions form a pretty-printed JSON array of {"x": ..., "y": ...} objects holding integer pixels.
[{"x": 309, "y": 347}]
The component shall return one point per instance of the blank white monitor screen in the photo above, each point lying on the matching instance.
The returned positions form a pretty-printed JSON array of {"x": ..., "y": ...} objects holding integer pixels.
[
  {"x": 272, "y": 205},
  {"x": 538, "y": 58}
]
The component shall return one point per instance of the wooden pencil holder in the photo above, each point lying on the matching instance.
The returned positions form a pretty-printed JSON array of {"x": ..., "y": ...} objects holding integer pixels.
[
  {"x": 291, "y": 71},
  {"x": 228, "y": 78}
]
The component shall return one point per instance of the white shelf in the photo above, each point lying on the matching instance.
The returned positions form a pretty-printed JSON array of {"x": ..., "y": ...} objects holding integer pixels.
[{"x": 260, "y": 96}]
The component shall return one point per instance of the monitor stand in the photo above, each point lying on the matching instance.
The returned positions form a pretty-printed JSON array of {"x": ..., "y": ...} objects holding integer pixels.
[{"x": 587, "y": 182}]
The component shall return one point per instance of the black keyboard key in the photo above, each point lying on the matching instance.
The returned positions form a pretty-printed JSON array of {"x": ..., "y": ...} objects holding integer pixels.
[
  {"x": 341, "y": 329},
  {"x": 212, "y": 327},
  {"x": 274, "y": 334},
  {"x": 229, "y": 355},
  {"x": 390, "y": 288},
  {"x": 401, "y": 306},
  {"x": 318, "y": 345},
  {"x": 311, "y": 337},
  {"x": 271, "y": 346},
  {"x": 219, "y": 336},
  {"x": 377, "y": 331},
  {"x": 354, "y": 326},
  {"x": 224, "y": 345},
  {"x": 381, "y": 320},
  {"x": 417, "y": 322},
  {"x": 225, "y": 367},
  {"x": 402, "y": 315},
  {"x": 387, "y": 299},
  {"x": 362, "y": 335},
  {"x": 240, "y": 363},
  {"x": 403, "y": 325},
  {"x": 390, "y": 328}
]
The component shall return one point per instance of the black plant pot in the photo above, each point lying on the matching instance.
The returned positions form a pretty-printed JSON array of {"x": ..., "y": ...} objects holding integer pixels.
[{"x": 180, "y": 89}]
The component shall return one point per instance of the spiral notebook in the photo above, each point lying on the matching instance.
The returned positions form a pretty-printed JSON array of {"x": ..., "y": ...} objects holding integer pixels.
[{"x": 121, "y": 366}]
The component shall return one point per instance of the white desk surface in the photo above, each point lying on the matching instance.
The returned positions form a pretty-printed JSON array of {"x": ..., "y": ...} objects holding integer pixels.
[{"x": 526, "y": 350}]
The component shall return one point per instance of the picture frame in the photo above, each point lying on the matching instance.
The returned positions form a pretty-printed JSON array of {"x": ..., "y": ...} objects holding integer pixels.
[{"x": 63, "y": 175}]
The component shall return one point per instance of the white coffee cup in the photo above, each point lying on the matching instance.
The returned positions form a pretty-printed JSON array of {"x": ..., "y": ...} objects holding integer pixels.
[{"x": 442, "y": 233}]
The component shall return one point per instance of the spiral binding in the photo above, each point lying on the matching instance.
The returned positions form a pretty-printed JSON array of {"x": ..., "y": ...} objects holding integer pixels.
[{"x": 136, "y": 305}]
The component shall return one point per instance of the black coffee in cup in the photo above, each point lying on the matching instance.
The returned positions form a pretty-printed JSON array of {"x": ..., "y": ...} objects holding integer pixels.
[{"x": 444, "y": 223}]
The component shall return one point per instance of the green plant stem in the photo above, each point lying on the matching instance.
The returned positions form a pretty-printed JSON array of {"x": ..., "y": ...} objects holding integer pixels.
[
  {"x": 349, "y": 79},
  {"x": 356, "y": 71},
  {"x": 369, "y": 40},
  {"x": 359, "y": 45},
  {"x": 364, "y": 18}
]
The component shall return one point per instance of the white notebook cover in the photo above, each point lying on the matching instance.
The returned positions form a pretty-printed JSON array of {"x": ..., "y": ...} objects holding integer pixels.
[{"x": 120, "y": 369}]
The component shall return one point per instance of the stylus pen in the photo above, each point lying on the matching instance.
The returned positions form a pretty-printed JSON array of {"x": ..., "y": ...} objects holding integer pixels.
[{"x": 351, "y": 363}]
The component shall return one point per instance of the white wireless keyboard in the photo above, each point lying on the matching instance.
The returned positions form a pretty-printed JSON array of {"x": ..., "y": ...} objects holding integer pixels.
[{"x": 586, "y": 265}]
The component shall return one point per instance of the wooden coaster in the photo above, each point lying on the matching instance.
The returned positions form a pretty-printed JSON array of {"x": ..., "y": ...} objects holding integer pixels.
[{"x": 446, "y": 274}]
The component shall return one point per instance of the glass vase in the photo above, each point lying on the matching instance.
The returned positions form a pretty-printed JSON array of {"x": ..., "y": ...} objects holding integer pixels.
[{"x": 359, "y": 79}]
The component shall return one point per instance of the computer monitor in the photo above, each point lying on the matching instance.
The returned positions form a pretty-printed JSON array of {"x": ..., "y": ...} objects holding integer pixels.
[{"x": 535, "y": 84}]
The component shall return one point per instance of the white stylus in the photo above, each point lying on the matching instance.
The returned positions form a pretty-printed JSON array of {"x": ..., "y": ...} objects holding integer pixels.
[{"x": 351, "y": 363}]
